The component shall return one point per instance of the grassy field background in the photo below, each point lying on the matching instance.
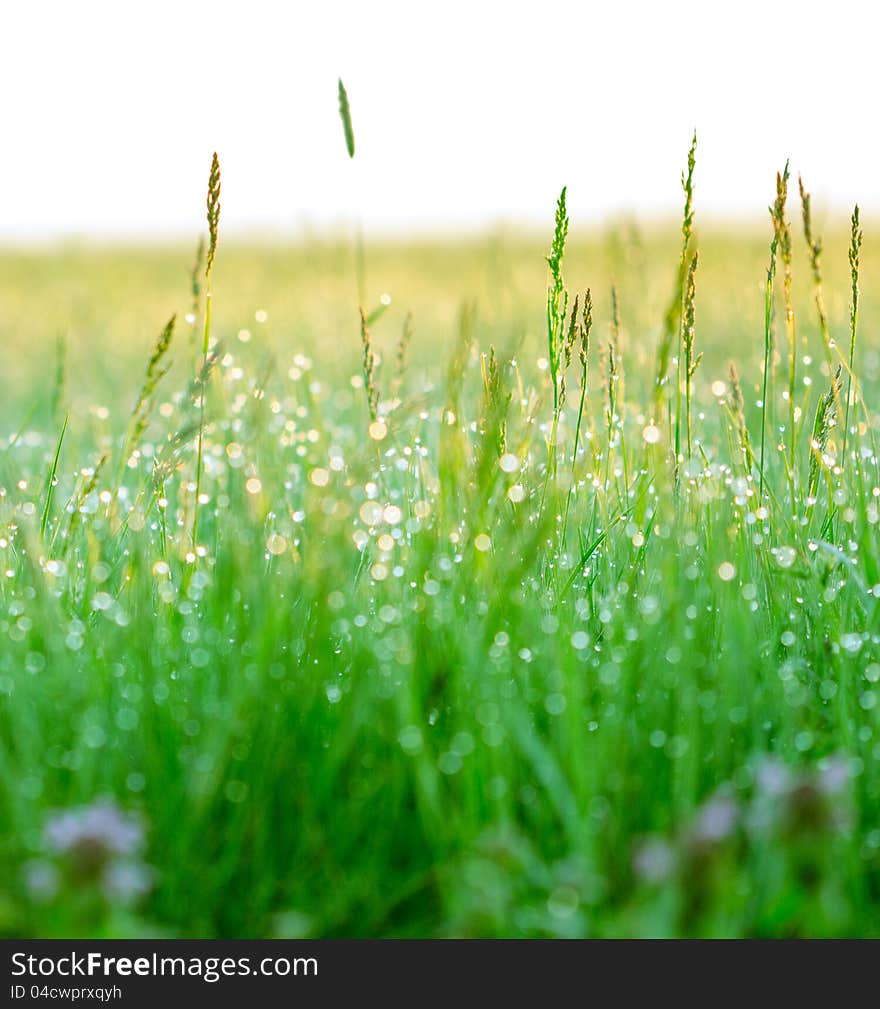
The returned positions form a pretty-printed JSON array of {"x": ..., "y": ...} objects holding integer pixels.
[{"x": 441, "y": 672}]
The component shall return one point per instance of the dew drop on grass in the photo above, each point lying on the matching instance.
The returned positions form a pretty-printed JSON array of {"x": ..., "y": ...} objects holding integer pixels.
[
  {"x": 276, "y": 544},
  {"x": 803, "y": 741},
  {"x": 580, "y": 640},
  {"x": 651, "y": 434},
  {"x": 555, "y": 704},
  {"x": 94, "y": 737},
  {"x": 236, "y": 791},
  {"x": 392, "y": 514},
  {"x": 462, "y": 744},
  {"x": 851, "y": 643},
  {"x": 370, "y": 513},
  {"x": 450, "y": 763},
  {"x": 563, "y": 902},
  {"x": 786, "y": 556}
]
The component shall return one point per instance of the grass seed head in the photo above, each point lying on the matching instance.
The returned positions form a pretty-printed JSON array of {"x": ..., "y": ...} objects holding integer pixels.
[
  {"x": 814, "y": 245},
  {"x": 585, "y": 327},
  {"x": 213, "y": 212},
  {"x": 369, "y": 368},
  {"x": 688, "y": 329},
  {"x": 855, "y": 246},
  {"x": 826, "y": 418}
]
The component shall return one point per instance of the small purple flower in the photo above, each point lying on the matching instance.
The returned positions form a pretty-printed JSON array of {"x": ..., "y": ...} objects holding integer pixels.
[
  {"x": 93, "y": 835},
  {"x": 773, "y": 778},
  {"x": 834, "y": 774},
  {"x": 654, "y": 860},
  {"x": 716, "y": 820},
  {"x": 41, "y": 880},
  {"x": 125, "y": 882}
]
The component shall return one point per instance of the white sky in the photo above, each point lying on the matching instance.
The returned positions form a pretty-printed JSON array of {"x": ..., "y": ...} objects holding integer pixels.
[{"x": 465, "y": 113}]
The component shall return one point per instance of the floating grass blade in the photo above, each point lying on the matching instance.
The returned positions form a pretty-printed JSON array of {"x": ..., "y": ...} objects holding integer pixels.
[{"x": 345, "y": 116}]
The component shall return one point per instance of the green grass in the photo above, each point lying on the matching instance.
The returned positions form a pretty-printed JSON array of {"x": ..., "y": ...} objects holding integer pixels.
[{"x": 492, "y": 662}]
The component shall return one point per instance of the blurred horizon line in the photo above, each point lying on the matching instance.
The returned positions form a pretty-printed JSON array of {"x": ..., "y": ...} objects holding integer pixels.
[{"x": 827, "y": 221}]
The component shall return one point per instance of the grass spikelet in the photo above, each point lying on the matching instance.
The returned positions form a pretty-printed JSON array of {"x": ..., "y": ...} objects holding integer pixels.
[
  {"x": 673, "y": 312},
  {"x": 401, "y": 358},
  {"x": 814, "y": 251},
  {"x": 615, "y": 407},
  {"x": 736, "y": 406},
  {"x": 557, "y": 299},
  {"x": 826, "y": 417},
  {"x": 585, "y": 325},
  {"x": 567, "y": 349},
  {"x": 691, "y": 363},
  {"x": 557, "y": 310},
  {"x": 89, "y": 486},
  {"x": 612, "y": 375},
  {"x": 369, "y": 368},
  {"x": 768, "y": 352},
  {"x": 782, "y": 230},
  {"x": 156, "y": 371},
  {"x": 855, "y": 246},
  {"x": 495, "y": 402},
  {"x": 213, "y": 206},
  {"x": 345, "y": 116}
]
